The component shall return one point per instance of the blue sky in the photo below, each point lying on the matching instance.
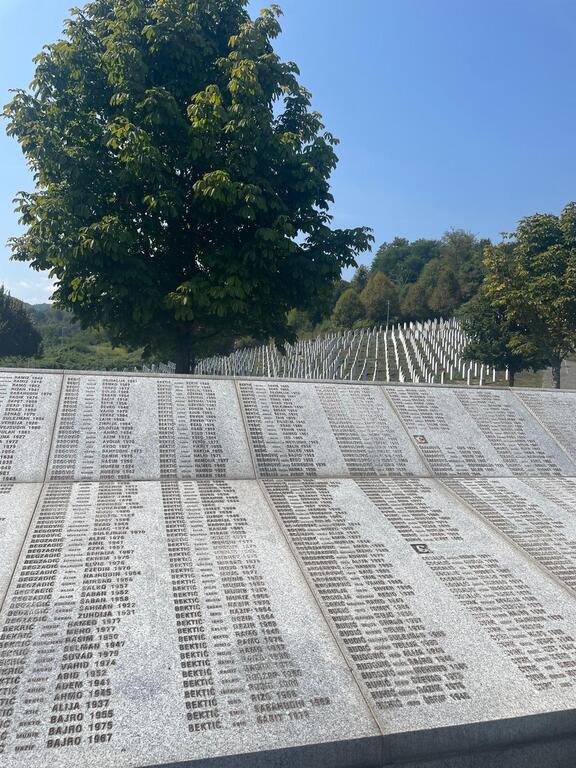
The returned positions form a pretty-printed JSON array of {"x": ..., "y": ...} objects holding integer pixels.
[{"x": 450, "y": 113}]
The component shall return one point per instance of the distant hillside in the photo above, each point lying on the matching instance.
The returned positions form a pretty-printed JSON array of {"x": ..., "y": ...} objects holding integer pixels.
[{"x": 66, "y": 345}]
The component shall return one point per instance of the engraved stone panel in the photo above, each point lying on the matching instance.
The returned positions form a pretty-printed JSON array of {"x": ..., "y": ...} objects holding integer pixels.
[
  {"x": 443, "y": 622},
  {"x": 557, "y": 411},
  {"x": 136, "y": 428},
  {"x": 308, "y": 430},
  {"x": 17, "y": 502},
  {"x": 28, "y": 403},
  {"x": 537, "y": 515},
  {"x": 153, "y": 623},
  {"x": 477, "y": 432},
  {"x": 160, "y": 607}
]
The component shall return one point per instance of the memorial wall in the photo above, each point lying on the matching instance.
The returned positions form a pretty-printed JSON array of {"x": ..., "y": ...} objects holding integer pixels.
[{"x": 239, "y": 574}]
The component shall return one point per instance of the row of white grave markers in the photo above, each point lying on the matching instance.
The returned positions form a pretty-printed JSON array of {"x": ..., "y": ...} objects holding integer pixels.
[
  {"x": 429, "y": 352},
  {"x": 158, "y": 368}
]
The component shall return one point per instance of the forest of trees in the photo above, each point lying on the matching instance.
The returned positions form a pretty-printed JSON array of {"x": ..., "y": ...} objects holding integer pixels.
[
  {"x": 407, "y": 280},
  {"x": 43, "y": 336}
]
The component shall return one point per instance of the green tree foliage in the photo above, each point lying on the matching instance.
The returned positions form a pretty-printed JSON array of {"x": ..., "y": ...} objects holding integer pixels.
[
  {"x": 299, "y": 320},
  {"x": 447, "y": 272},
  {"x": 360, "y": 279},
  {"x": 444, "y": 295},
  {"x": 531, "y": 277},
  {"x": 414, "y": 304},
  {"x": 18, "y": 336},
  {"x": 462, "y": 252},
  {"x": 403, "y": 261},
  {"x": 491, "y": 334},
  {"x": 182, "y": 179},
  {"x": 439, "y": 289},
  {"x": 380, "y": 299},
  {"x": 64, "y": 344},
  {"x": 348, "y": 310}
]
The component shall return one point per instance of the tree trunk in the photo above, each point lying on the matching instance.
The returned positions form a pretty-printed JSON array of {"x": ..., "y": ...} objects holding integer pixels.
[
  {"x": 556, "y": 367},
  {"x": 185, "y": 360},
  {"x": 511, "y": 377}
]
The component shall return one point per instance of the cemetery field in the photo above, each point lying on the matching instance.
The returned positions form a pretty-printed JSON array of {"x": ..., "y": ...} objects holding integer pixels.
[{"x": 431, "y": 352}]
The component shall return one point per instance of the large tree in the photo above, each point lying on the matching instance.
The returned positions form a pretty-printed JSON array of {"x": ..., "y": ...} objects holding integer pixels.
[
  {"x": 182, "y": 179},
  {"x": 380, "y": 299},
  {"x": 349, "y": 309},
  {"x": 531, "y": 276},
  {"x": 462, "y": 252},
  {"x": 414, "y": 303},
  {"x": 18, "y": 336},
  {"x": 444, "y": 296},
  {"x": 492, "y": 336}
]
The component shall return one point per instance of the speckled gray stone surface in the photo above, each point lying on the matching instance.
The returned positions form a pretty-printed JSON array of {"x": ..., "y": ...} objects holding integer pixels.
[
  {"x": 138, "y": 428},
  {"x": 325, "y": 430},
  {"x": 557, "y": 412},
  {"x": 28, "y": 403},
  {"x": 478, "y": 432},
  {"x": 166, "y": 622},
  {"x": 537, "y": 515},
  {"x": 345, "y": 611},
  {"x": 444, "y": 623},
  {"x": 17, "y": 502}
]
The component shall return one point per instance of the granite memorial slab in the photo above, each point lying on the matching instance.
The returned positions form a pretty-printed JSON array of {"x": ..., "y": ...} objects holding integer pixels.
[
  {"x": 165, "y": 623},
  {"x": 17, "y": 502},
  {"x": 459, "y": 643},
  {"x": 537, "y": 515},
  {"x": 160, "y": 607},
  {"x": 28, "y": 403},
  {"x": 478, "y": 433},
  {"x": 309, "y": 430},
  {"x": 140, "y": 428},
  {"x": 557, "y": 412}
]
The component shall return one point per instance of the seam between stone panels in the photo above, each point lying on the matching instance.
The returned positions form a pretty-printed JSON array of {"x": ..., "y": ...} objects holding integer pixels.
[
  {"x": 24, "y": 541},
  {"x": 323, "y": 613},
  {"x": 246, "y": 430},
  {"x": 404, "y": 426},
  {"x": 539, "y": 421},
  {"x": 245, "y": 478},
  {"x": 458, "y": 476},
  {"x": 523, "y": 553},
  {"x": 42, "y": 484},
  {"x": 55, "y": 424}
]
